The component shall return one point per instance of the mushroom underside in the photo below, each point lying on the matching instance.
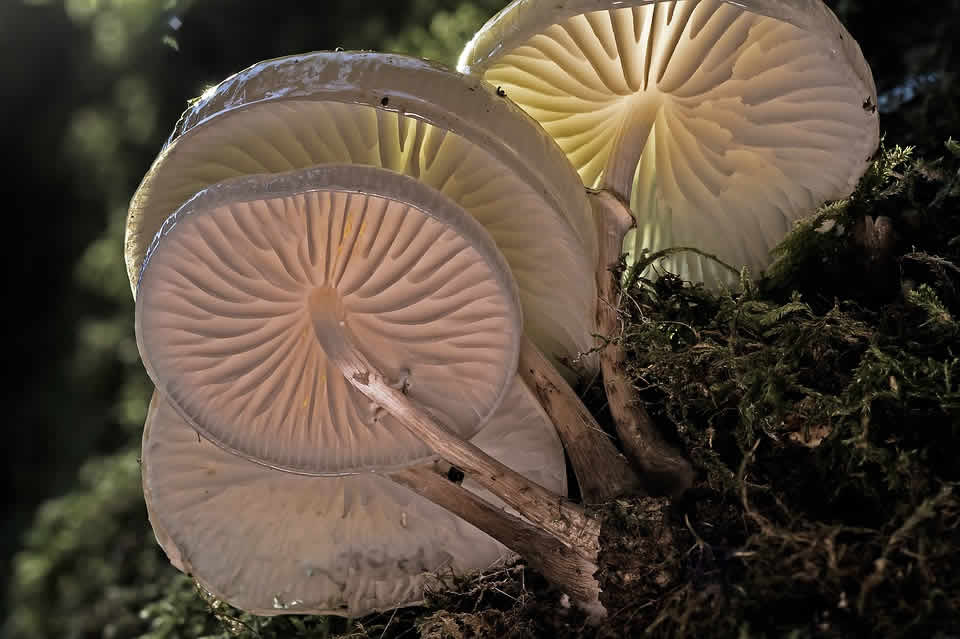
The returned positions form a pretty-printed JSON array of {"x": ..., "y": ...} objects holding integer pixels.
[
  {"x": 287, "y": 543},
  {"x": 239, "y": 280},
  {"x": 721, "y": 126}
]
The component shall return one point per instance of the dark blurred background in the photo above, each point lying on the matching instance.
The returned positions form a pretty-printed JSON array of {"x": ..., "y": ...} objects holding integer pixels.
[{"x": 90, "y": 90}]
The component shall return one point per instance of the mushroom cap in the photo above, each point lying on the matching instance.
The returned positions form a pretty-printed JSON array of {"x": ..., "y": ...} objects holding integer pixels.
[
  {"x": 449, "y": 131},
  {"x": 279, "y": 543},
  {"x": 720, "y": 122},
  {"x": 233, "y": 283}
]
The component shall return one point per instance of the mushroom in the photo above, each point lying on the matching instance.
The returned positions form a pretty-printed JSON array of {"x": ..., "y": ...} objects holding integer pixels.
[
  {"x": 240, "y": 278},
  {"x": 349, "y": 545},
  {"x": 721, "y": 123},
  {"x": 718, "y": 124},
  {"x": 252, "y": 302},
  {"x": 448, "y": 131}
]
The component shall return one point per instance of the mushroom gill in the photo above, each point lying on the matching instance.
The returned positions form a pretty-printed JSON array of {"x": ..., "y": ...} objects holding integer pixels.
[
  {"x": 721, "y": 123},
  {"x": 271, "y": 542},
  {"x": 233, "y": 287}
]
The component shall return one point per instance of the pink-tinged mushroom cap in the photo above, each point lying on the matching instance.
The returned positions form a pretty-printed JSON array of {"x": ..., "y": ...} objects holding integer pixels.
[
  {"x": 279, "y": 543},
  {"x": 236, "y": 281},
  {"x": 449, "y": 131},
  {"x": 721, "y": 122}
]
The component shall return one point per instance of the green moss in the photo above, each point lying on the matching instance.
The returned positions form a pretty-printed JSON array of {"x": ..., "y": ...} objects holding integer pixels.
[{"x": 824, "y": 416}]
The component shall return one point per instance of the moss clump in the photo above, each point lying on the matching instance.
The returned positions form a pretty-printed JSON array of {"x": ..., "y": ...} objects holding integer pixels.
[
  {"x": 821, "y": 406},
  {"x": 825, "y": 415}
]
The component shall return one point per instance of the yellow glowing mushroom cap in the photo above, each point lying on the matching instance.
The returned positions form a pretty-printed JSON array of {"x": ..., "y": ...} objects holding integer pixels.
[{"x": 720, "y": 122}]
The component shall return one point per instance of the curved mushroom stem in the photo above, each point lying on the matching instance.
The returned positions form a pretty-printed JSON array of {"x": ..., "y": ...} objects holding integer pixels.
[
  {"x": 663, "y": 467},
  {"x": 602, "y": 472},
  {"x": 547, "y": 554},
  {"x": 552, "y": 514}
]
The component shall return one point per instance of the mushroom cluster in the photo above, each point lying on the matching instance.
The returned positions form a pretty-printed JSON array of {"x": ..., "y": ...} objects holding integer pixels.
[{"x": 362, "y": 281}]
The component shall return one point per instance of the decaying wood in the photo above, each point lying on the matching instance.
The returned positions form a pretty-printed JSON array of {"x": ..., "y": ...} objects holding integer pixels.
[
  {"x": 602, "y": 472},
  {"x": 663, "y": 468}
]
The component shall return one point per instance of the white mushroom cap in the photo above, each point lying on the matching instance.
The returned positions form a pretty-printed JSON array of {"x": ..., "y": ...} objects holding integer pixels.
[
  {"x": 278, "y": 543},
  {"x": 720, "y": 122},
  {"x": 231, "y": 289},
  {"x": 449, "y": 131}
]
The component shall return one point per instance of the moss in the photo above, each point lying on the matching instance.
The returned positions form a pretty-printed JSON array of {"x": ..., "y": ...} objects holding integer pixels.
[{"x": 824, "y": 415}]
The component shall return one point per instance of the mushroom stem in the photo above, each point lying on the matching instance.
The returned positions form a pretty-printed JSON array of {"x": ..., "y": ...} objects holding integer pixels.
[
  {"x": 544, "y": 552},
  {"x": 663, "y": 467},
  {"x": 602, "y": 472},
  {"x": 552, "y": 514}
]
